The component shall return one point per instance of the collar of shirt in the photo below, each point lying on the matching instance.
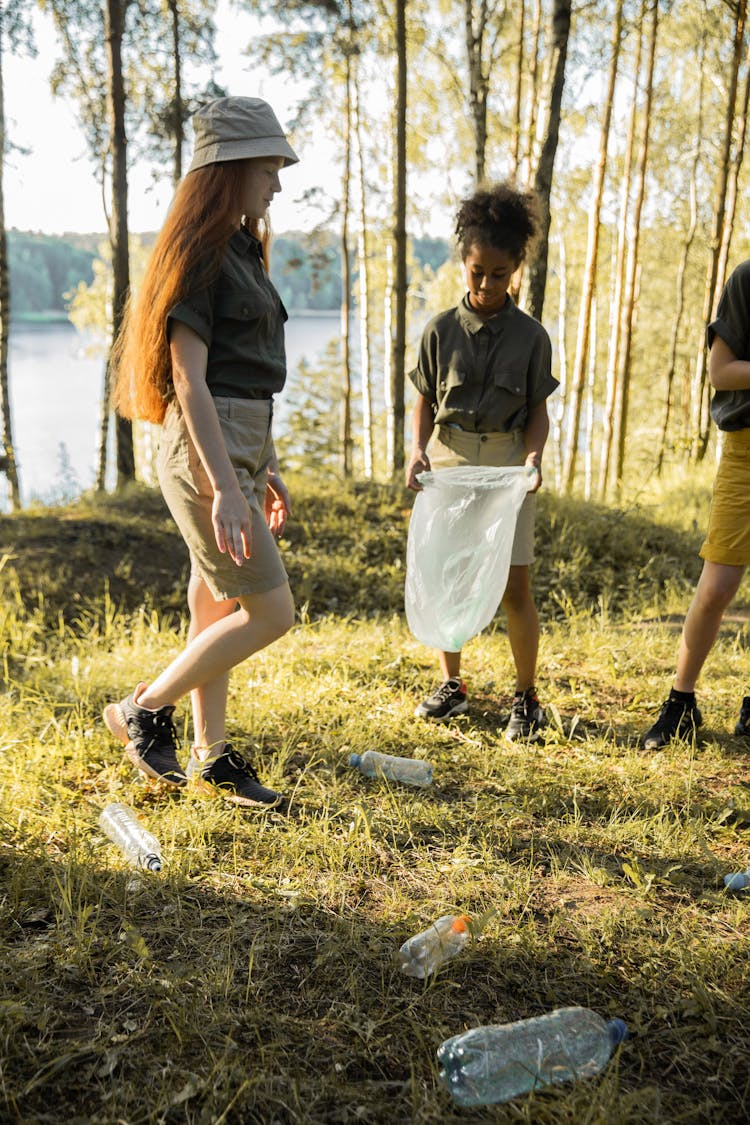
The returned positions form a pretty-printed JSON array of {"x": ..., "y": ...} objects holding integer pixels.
[
  {"x": 242, "y": 242},
  {"x": 474, "y": 323}
]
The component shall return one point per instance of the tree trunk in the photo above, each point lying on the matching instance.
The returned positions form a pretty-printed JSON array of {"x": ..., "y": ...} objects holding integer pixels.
[
  {"x": 618, "y": 282},
  {"x": 589, "y": 274},
  {"x": 474, "y": 31},
  {"x": 345, "y": 417},
  {"x": 629, "y": 304},
  {"x": 543, "y": 178},
  {"x": 118, "y": 231},
  {"x": 177, "y": 109},
  {"x": 8, "y": 459},
  {"x": 398, "y": 350},
  {"x": 558, "y": 410},
  {"x": 682, "y": 267},
  {"x": 588, "y": 461},
  {"x": 515, "y": 133},
  {"x": 364, "y": 295},
  {"x": 699, "y": 391}
]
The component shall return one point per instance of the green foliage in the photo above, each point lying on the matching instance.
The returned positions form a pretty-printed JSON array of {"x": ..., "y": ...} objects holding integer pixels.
[
  {"x": 254, "y": 980},
  {"x": 43, "y": 269}
]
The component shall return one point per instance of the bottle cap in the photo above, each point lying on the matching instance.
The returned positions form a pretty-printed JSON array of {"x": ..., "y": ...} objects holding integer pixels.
[
  {"x": 618, "y": 1031},
  {"x": 152, "y": 863},
  {"x": 460, "y": 924},
  {"x": 355, "y": 759},
  {"x": 738, "y": 881}
]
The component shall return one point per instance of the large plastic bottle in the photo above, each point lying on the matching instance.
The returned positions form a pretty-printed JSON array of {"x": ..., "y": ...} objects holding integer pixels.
[
  {"x": 134, "y": 840},
  {"x": 738, "y": 881},
  {"x": 425, "y": 952},
  {"x": 494, "y": 1064},
  {"x": 412, "y": 771}
]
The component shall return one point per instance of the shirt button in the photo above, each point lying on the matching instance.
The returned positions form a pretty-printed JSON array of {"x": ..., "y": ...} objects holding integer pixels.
[
  {"x": 483, "y": 437},
  {"x": 245, "y": 310}
]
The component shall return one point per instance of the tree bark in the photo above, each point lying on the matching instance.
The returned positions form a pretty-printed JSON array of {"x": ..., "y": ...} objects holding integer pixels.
[
  {"x": 537, "y": 271},
  {"x": 8, "y": 458},
  {"x": 118, "y": 231},
  {"x": 590, "y": 267},
  {"x": 345, "y": 417},
  {"x": 364, "y": 294},
  {"x": 699, "y": 390},
  {"x": 397, "y": 372}
]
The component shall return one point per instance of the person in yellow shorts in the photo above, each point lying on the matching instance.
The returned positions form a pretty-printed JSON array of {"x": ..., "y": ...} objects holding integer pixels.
[{"x": 726, "y": 550}]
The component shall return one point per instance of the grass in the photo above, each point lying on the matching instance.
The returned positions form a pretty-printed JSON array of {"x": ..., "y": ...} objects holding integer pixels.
[{"x": 254, "y": 979}]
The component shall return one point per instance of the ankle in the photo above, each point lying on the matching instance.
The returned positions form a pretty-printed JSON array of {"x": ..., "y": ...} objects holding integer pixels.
[{"x": 682, "y": 696}]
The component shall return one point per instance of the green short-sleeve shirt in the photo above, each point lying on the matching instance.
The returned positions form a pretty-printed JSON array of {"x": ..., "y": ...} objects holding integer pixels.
[
  {"x": 240, "y": 318},
  {"x": 484, "y": 375},
  {"x": 730, "y": 410}
]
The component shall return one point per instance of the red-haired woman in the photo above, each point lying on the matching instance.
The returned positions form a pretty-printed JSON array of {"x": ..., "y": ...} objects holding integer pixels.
[{"x": 202, "y": 352}]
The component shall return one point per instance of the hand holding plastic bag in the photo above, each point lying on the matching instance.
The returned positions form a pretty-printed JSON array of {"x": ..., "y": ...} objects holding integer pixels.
[{"x": 458, "y": 550}]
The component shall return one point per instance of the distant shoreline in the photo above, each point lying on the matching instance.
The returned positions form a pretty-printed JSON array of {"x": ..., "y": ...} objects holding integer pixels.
[{"x": 56, "y": 319}]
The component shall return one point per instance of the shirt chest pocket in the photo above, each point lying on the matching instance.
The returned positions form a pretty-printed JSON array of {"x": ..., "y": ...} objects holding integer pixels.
[
  {"x": 245, "y": 306},
  {"x": 450, "y": 382},
  {"x": 511, "y": 382}
]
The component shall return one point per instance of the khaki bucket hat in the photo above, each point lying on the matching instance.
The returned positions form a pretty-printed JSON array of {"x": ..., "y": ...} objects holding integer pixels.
[{"x": 235, "y": 129}]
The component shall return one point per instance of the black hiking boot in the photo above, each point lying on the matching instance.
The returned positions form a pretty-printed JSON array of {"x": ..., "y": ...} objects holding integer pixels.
[
  {"x": 231, "y": 776},
  {"x": 527, "y": 717},
  {"x": 149, "y": 737},
  {"x": 678, "y": 718}
]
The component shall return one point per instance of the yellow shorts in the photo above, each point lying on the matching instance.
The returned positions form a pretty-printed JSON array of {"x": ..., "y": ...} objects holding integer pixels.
[
  {"x": 451, "y": 446},
  {"x": 246, "y": 427},
  {"x": 728, "y": 536}
]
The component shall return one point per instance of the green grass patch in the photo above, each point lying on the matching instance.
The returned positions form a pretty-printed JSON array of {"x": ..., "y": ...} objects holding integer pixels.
[{"x": 254, "y": 980}]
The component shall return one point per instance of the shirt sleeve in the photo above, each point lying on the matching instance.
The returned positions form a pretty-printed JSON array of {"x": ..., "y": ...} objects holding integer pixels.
[
  {"x": 541, "y": 381},
  {"x": 197, "y": 311},
  {"x": 424, "y": 375},
  {"x": 732, "y": 323}
]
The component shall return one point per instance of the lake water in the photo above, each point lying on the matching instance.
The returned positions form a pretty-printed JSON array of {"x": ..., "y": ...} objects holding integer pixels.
[{"x": 55, "y": 397}]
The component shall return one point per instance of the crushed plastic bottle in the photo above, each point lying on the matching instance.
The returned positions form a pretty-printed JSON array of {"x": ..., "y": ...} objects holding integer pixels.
[
  {"x": 494, "y": 1064},
  {"x": 738, "y": 881},
  {"x": 134, "y": 840},
  {"x": 425, "y": 952},
  {"x": 412, "y": 771}
]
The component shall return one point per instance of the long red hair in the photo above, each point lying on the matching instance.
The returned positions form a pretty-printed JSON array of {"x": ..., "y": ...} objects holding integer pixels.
[{"x": 186, "y": 256}]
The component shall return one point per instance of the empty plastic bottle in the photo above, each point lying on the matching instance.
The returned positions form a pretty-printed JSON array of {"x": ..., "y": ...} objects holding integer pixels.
[
  {"x": 738, "y": 881},
  {"x": 425, "y": 952},
  {"x": 412, "y": 771},
  {"x": 134, "y": 840},
  {"x": 494, "y": 1064}
]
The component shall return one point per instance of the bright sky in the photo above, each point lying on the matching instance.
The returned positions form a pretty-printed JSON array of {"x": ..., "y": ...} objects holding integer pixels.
[{"x": 52, "y": 188}]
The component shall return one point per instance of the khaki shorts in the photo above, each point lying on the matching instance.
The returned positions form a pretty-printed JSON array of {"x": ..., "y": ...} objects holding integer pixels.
[
  {"x": 728, "y": 536},
  {"x": 450, "y": 446},
  {"x": 246, "y": 426}
]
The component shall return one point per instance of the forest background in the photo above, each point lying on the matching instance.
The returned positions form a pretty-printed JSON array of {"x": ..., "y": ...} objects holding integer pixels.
[{"x": 628, "y": 120}]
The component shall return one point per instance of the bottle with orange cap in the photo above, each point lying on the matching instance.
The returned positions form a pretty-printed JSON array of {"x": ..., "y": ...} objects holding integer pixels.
[{"x": 425, "y": 952}]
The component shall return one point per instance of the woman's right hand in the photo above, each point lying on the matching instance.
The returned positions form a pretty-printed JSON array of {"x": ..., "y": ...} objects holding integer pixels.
[
  {"x": 418, "y": 463},
  {"x": 232, "y": 520}
]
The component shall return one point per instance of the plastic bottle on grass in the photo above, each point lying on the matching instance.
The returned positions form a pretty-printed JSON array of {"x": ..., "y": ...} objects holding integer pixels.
[
  {"x": 412, "y": 771},
  {"x": 738, "y": 881},
  {"x": 134, "y": 840},
  {"x": 494, "y": 1064},
  {"x": 425, "y": 952}
]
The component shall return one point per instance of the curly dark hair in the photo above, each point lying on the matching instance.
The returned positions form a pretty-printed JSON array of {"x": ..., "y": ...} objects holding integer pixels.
[{"x": 498, "y": 216}]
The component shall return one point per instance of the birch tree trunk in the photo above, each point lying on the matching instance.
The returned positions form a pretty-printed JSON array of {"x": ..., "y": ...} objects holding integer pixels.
[
  {"x": 682, "y": 267},
  {"x": 397, "y": 372},
  {"x": 8, "y": 461},
  {"x": 537, "y": 270},
  {"x": 618, "y": 281},
  {"x": 699, "y": 390},
  {"x": 589, "y": 273},
  {"x": 364, "y": 294},
  {"x": 588, "y": 461},
  {"x": 631, "y": 276},
  {"x": 515, "y": 133},
  {"x": 345, "y": 418}
]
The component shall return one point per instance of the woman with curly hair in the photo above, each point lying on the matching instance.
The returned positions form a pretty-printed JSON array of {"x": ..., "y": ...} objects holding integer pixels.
[
  {"x": 202, "y": 353},
  {"x": 483, "y": 377}
]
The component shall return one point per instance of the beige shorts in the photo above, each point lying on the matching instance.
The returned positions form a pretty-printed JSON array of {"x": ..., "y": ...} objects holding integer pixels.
[
  {"x": 449, "y": 447},
  {"x": 728, "y": 536},
  {"x": 246, "y": 426}
]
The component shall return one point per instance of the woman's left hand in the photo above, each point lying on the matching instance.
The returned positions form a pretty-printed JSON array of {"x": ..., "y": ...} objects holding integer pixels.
[{"x": 277, "y": 504}]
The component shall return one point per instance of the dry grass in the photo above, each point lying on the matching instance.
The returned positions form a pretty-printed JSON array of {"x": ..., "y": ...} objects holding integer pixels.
[{"x": 254, "y": 980}]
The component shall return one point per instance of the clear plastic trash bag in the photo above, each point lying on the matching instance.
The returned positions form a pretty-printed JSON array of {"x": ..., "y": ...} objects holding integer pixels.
[{"x": 458, "y": 550}]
